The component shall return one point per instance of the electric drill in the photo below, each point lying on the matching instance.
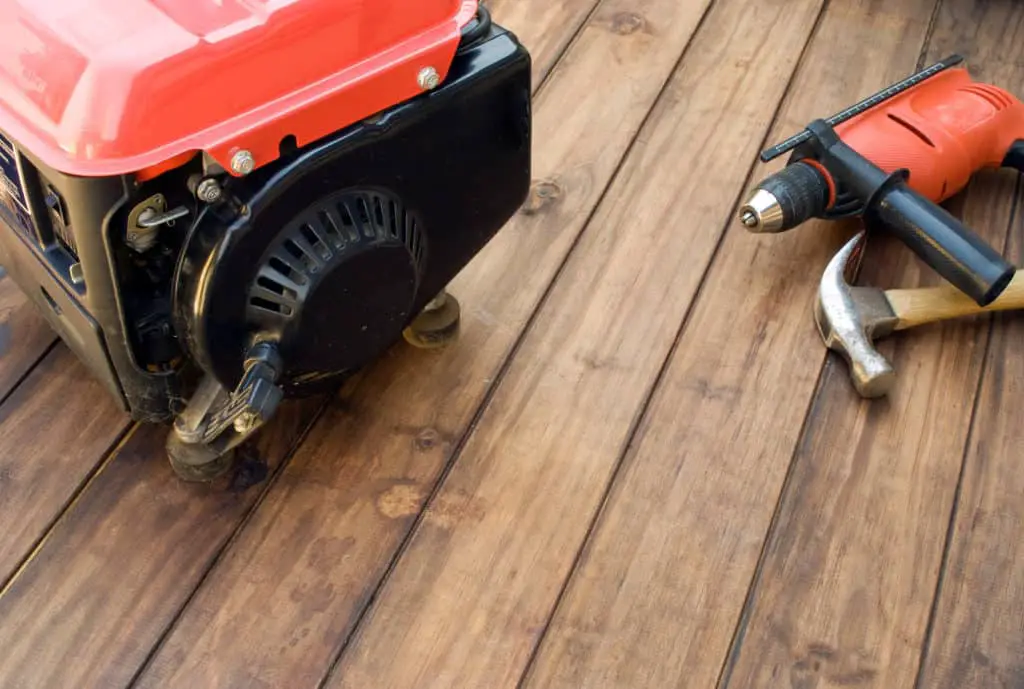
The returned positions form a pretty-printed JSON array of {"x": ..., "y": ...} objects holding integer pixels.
[{"x": 891, "y": 159}]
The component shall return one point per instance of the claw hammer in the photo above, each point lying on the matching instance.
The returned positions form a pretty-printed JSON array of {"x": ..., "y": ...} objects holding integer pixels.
[{"x": 850, "y": 318}]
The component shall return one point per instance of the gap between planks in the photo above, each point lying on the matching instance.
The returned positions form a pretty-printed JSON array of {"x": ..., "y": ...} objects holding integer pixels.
[
  {"x": 114, "y": 490},
  {"x": 773, "y": 524},
  {"x": 416, "y": 618},
  {"x": 316, "y": 463},
  {"x": 666, "y": 591},
  {"x": 629, "y": 445},
  {"x": 875, "y": 481},
  {"x": 974, "y": 632}
]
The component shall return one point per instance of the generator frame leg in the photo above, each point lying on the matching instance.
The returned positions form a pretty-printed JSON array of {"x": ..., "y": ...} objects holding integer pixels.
[
  {"x": 193, "y": 455},
  {"x": 217, "y": 420},
  {"x": 437, "y": 325}
]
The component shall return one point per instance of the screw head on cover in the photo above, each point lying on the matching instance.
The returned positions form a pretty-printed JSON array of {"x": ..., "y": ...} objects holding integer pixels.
[
  {"x": 243, "y": 163},
  {"x": 428, "y": 78}
]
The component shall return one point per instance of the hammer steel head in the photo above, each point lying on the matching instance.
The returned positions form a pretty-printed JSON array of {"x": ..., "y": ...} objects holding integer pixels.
[{"x": 850, "y": 318}]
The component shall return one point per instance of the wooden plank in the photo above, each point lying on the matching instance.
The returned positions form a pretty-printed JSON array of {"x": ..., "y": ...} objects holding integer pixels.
[
  {"x": 659, "y": 588},
  {"x": 545, "y": 28},
  {"x": 977, "y": 633},
  {"x": 25, "y": 336},
  {"x": 54, "y": 430},
  {"x": 309, "y": 561},
  {"x": 114, "y": 572},
  {"x": 850, "y": 570},
  {"x": 119, "y": 598},
  {"x": 469, "y": 599}
]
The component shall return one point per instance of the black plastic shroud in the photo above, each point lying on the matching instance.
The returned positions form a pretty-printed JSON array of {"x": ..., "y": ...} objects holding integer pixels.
[
  {"x": 887, "y": 203},
  {"x": 342, "y": 243},
  {"x": 456, "y": 158}
]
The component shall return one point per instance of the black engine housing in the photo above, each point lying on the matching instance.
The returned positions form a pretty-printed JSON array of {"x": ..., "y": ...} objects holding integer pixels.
[
  {"x": 328, "y": 252},
  {"x": 334, "y": 249}
]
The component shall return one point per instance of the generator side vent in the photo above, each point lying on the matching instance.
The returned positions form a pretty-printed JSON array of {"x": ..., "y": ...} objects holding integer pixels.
[{"x": 320, "y": 239}]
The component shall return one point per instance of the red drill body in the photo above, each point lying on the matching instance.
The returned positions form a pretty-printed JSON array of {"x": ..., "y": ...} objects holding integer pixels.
[
  {"x": 942, "y": 130},
  {"x": 892, "y": 159}
]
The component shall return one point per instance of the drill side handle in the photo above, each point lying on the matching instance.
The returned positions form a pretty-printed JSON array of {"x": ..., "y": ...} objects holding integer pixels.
[{"x": 951, "y": 249}]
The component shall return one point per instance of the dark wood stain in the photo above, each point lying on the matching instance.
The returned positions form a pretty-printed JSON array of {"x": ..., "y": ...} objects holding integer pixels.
[
  {"x": 55, "y": 429},
  {"x": 137, "y": 543},
  {"x": 977, "y": 635},
  {"x": 593, "y": 511},
  {"x": 857, "y": 549}
]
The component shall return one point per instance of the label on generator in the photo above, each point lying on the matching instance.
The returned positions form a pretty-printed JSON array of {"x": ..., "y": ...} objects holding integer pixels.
[{"x": 13, "y": 200}]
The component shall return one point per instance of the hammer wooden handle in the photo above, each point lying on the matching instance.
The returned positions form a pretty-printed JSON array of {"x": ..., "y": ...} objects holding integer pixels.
[{"x": 930, "y": 304}]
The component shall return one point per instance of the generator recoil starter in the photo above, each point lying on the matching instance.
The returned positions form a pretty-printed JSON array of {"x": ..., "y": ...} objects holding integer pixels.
[{"x": 219, "y": 206}]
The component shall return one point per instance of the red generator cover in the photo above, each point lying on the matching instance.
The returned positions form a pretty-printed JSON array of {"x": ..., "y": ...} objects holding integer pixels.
[{"x": 108, "y": 87}]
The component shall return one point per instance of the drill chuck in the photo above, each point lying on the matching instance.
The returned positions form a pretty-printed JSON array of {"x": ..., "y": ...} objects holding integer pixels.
[
  {"x": 786, "y": 199},
  {"x": 801, "y": 191},
  {"x": 919, "y": 165}
]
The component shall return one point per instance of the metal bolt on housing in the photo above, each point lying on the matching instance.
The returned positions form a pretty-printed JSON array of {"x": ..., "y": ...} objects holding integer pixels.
[
  {"x": 243, "y": 162},
  {"x": 208, "y": 191},
  {"x": 428, "y": 78}
]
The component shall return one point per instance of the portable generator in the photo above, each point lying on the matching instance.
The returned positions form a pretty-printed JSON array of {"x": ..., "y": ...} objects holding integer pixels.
[{"x": 221, "y": 204}]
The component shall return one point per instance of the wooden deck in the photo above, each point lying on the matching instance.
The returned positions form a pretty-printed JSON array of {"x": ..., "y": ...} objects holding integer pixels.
[{"x": 637, "y": 468}]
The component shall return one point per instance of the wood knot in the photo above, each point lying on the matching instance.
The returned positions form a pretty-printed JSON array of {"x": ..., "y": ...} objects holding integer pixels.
[
  {"x": 626, "y": 23},
  {"x": 427, "y": 439},
  {"x": 542, "y": 193}
]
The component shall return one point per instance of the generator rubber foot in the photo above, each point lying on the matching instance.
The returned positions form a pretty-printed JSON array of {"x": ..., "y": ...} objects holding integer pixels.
[
  {"x": 215, "y": 421},
  {"x": 438, "y": 324},
  {"x": 197, "y": 463}
]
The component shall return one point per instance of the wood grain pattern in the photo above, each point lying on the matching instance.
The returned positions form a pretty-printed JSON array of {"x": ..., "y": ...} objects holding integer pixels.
[
  {"x": 660, "y": 586},
  {"x": 112, "y": 631},
  {"x": 55, "y": 428},
  {"x": 557, "y": 424},
  {"x": 979, "y": 614},
  {"x": 850, "y": 569},
  {"x": 470, "y": 597},
  {"x": 347, "y": 500},
  {"x": 24, "y": 335},
  {"x": 545, "y": 28},
  {"x": 137, "y": 542},
  {"x": 979, "y": 617}
]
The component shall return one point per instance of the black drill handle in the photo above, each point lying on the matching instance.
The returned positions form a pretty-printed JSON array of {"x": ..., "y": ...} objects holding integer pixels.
[{"x": 953, "y": 250}]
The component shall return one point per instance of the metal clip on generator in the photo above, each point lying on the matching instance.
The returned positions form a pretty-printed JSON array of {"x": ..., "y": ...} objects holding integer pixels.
[{"x": 891, "y": 160}]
